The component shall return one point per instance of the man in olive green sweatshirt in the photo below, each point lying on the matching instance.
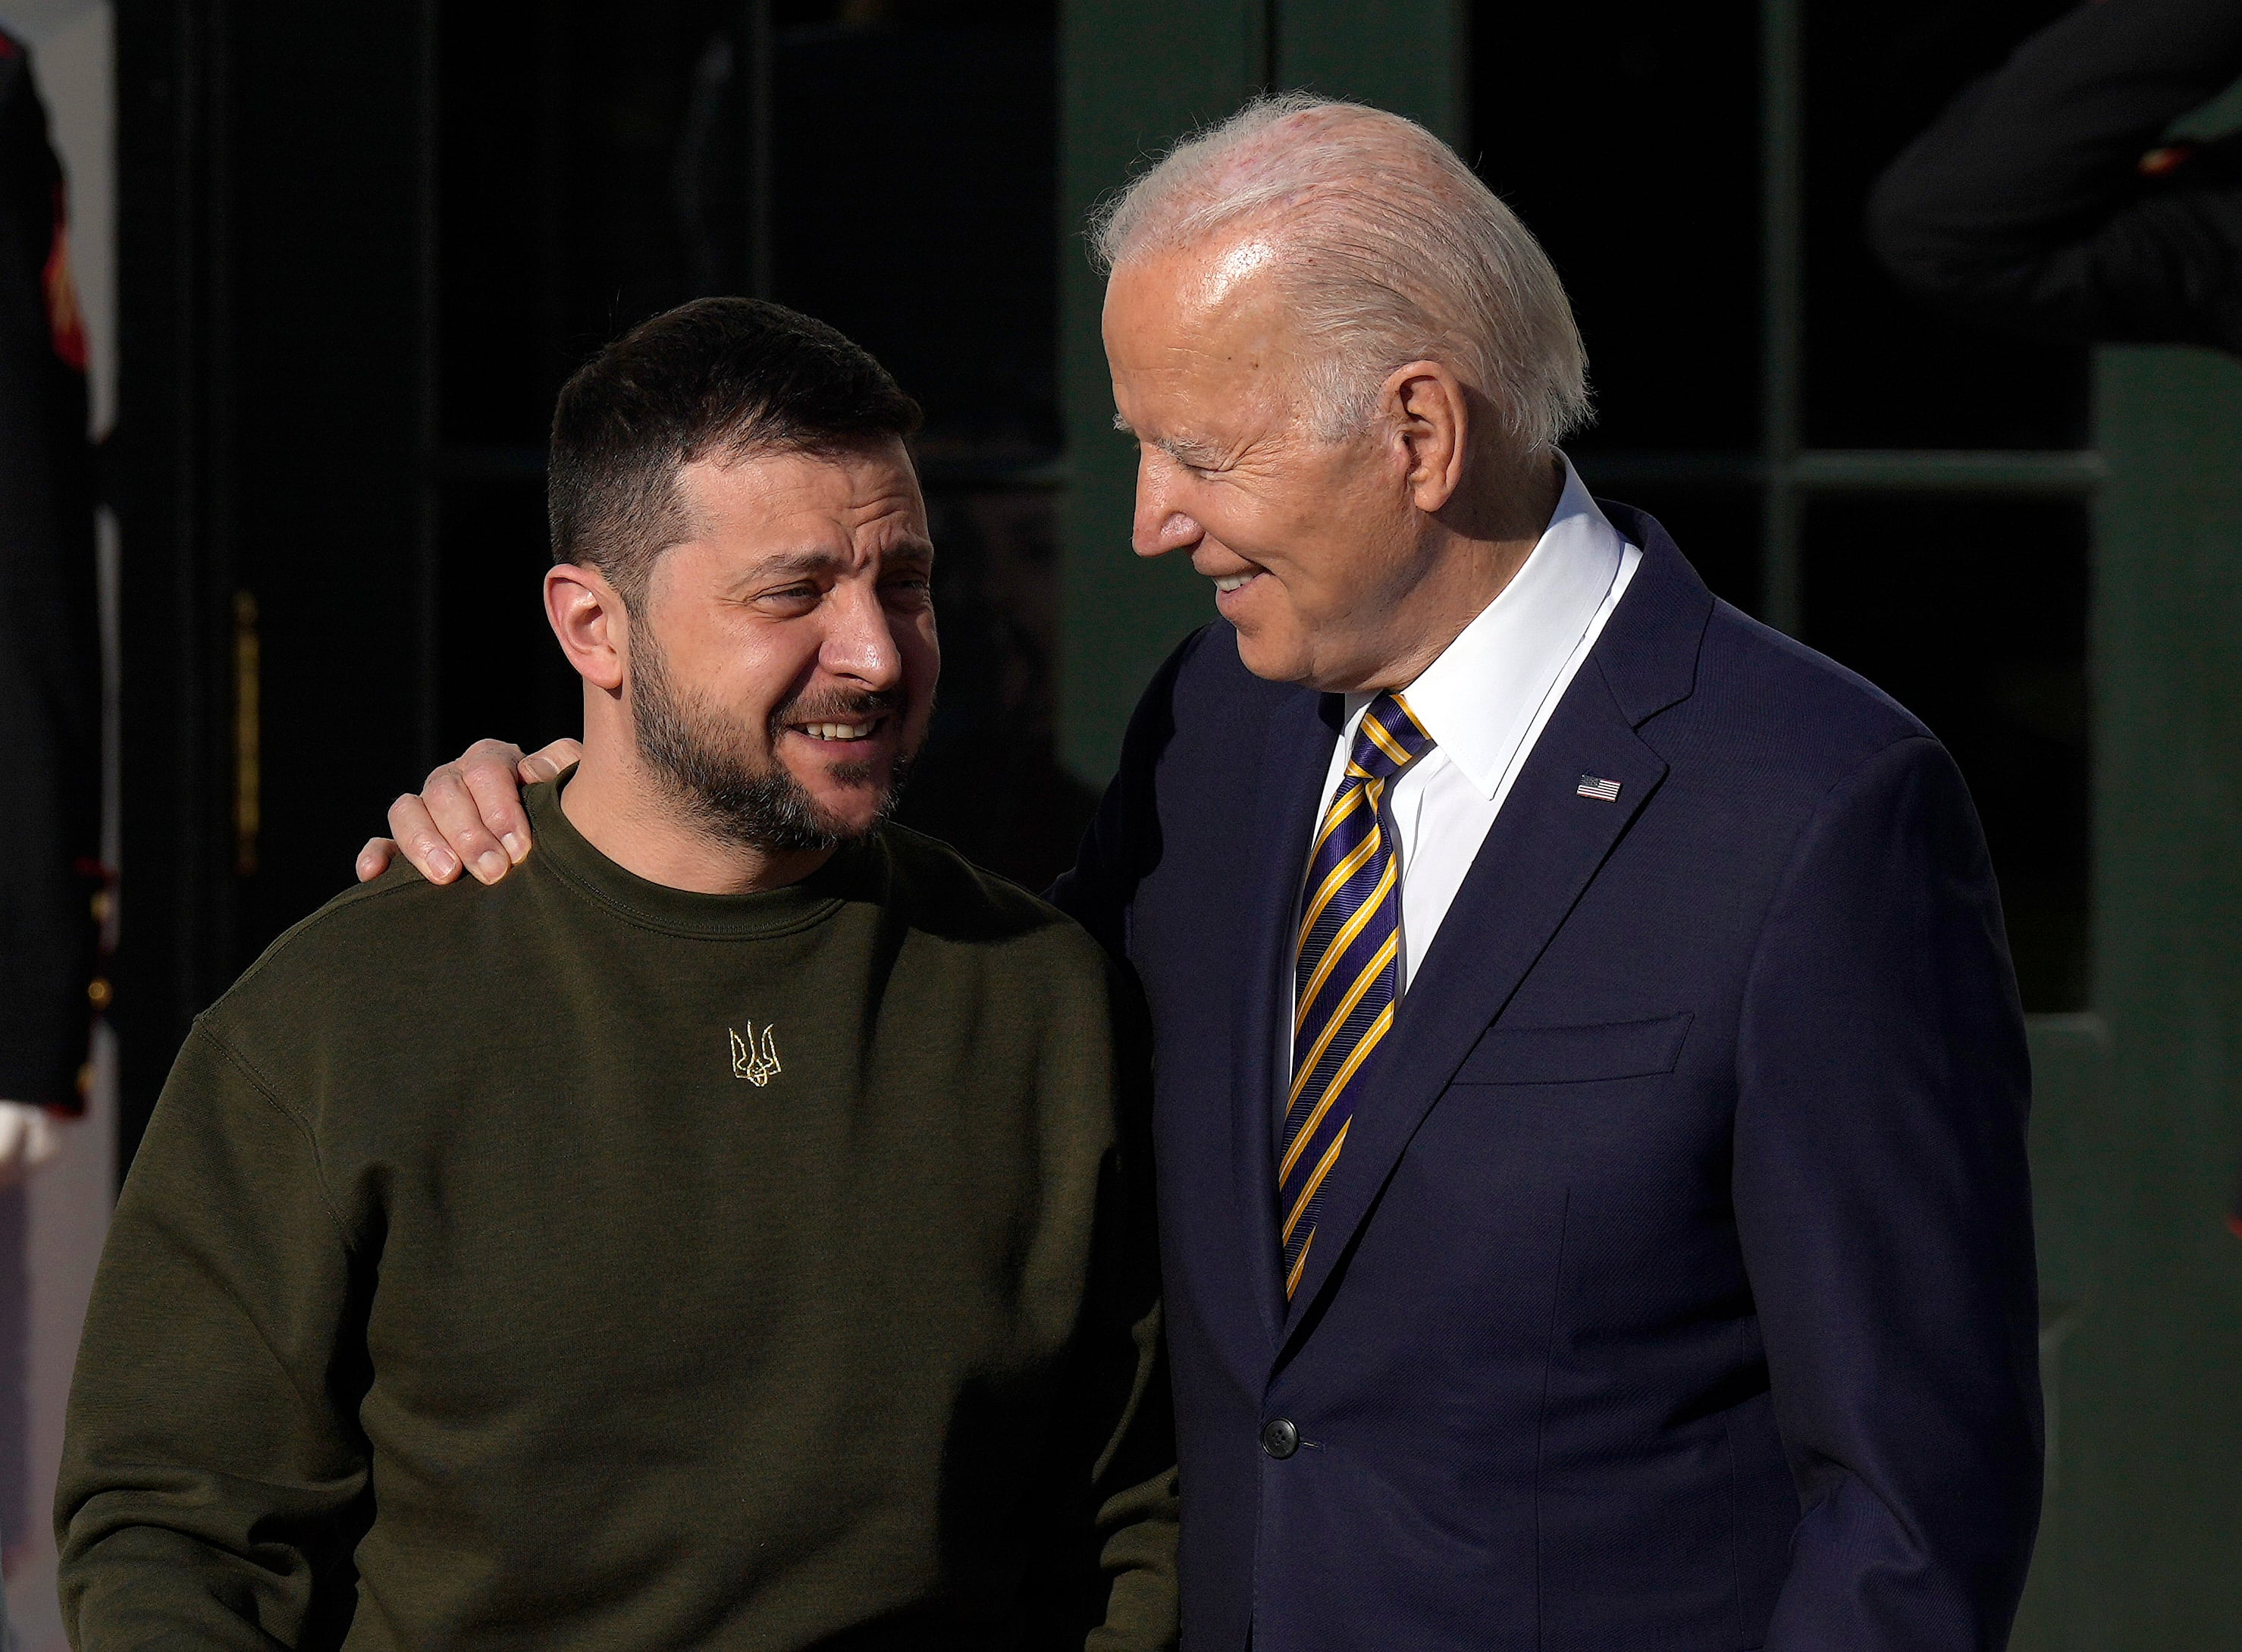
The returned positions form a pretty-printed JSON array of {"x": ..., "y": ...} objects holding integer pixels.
[{"x": 730, "y": 1231}]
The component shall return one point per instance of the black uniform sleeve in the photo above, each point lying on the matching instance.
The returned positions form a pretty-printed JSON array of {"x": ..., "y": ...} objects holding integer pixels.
[
  {"x": 2026, "y": 206},
  {"x": 49, "y": 685}
]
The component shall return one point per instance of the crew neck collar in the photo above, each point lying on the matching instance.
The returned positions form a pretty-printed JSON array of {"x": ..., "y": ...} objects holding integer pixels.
[{"x": 570, "y": 856}]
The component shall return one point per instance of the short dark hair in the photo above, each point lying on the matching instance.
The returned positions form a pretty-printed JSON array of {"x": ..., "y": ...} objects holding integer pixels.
[{"x": 728, "y": 376}]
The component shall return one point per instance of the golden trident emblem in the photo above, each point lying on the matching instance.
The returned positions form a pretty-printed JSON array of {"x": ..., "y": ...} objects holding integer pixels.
[{"x": 757, "y": 1068}]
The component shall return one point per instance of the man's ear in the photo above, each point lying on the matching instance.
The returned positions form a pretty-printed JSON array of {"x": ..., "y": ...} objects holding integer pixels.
[
  {"x": 589, "y": 619},
  {"x": 1431, "y": 417}
]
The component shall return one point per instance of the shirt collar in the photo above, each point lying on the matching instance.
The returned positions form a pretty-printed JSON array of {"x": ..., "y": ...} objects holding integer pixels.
[{"x": 1479, "y": 697}]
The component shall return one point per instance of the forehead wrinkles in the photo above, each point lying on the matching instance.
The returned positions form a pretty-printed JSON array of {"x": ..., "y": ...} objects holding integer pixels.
[
  {"x": 890, "y": 507},
  {"x": 890, "y": 528},
  {"x": 803, "y": 488}
]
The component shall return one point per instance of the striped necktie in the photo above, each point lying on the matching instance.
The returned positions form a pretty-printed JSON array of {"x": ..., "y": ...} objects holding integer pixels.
[{"x": 1346, "y": 970}]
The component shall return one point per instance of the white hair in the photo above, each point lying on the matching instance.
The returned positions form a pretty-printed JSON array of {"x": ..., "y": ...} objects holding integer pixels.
[{"x": 1392, "y": 250}]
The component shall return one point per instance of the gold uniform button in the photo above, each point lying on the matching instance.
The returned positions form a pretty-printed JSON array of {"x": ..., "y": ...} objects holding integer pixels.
[{"x": 98, "y": 993}]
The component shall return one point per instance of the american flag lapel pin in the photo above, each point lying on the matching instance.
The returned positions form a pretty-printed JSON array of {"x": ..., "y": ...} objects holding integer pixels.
[{"x": 1604, "y": 791}]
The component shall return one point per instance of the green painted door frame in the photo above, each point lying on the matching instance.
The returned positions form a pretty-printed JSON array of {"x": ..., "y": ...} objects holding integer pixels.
[{"x": 2138, "y": 1107}]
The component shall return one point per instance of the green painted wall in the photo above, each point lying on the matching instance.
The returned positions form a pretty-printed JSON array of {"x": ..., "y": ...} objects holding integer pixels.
[
  {"x": 2143, "y": 1541},
  {"x": 1408, "y": 56},
  {"x": 1135, "y": 77}
]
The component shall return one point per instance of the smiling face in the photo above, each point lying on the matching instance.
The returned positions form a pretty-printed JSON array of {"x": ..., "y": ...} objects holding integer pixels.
[
  {"x": 783, "y": 669},
  {"x": 1314, "y": 546}
]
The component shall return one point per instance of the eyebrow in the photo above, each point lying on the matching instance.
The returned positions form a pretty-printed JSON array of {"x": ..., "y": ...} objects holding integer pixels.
[
  {"x": 1197, "y": 454},
  {"x": 912, "y": 549},
  {"x": 1183, "y": 449}
]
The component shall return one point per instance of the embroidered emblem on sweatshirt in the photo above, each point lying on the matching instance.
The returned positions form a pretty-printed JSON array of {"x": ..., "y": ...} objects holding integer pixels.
[{"x": 757, "y": 1066}]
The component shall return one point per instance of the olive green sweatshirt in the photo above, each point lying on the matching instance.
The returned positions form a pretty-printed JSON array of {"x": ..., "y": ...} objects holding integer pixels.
[{"x": 581, "y": 1262}]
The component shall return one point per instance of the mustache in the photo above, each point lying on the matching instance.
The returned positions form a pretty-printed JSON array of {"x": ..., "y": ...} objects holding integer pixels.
[{"x": 837, "y": 706}]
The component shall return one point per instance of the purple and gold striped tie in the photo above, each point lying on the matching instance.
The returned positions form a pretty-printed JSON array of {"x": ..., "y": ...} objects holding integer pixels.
[{"x": 1346, "y": 968}]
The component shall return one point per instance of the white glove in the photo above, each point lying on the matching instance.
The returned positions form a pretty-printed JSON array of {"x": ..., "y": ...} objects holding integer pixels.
[{"x": 29, "y": 1138}]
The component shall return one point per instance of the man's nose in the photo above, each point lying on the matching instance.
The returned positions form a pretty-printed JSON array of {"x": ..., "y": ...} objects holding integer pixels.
[
  {"x": 860, "y": 640},
  {"x": 1161, "y": 524}
]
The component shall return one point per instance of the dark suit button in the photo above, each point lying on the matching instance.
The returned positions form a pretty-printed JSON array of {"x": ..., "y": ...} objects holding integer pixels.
[{"x": 1279, "y": 1438}]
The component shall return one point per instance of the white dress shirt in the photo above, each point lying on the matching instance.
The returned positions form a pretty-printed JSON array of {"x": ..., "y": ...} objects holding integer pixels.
[{"x": 1485, "y": 702}]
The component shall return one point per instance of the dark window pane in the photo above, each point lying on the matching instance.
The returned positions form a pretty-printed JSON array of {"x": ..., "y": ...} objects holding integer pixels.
[
  {"x": 916, "y": 210},
  {"x": 1626, "y": 138},
  {"x": 663, "y": 94},
  {"x": 990, "y": 780},
  {"x": 499, "y": 263},
  {"x": 1972, "y": 613},
  {"x": 580, "y": 191},
  {"x": 500, "y": 672},
  {"x": 1881, "y": 370}
]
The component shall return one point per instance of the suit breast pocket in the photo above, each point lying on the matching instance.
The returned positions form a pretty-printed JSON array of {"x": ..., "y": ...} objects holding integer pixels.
[{"x": 1507, "y": 1055}]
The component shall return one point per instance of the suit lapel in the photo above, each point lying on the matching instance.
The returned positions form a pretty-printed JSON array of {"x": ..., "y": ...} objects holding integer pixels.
[
  {"x": 1540, "y": 855},
  {"x": 1287, "y": 803}
]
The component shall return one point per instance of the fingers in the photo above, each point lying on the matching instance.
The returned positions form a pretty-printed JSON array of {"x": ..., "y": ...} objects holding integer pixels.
[
  {"x": 496, "y": 794},
  {"x": 456, "y": 813},
  {"x": 502, "y": 754},
  {"x": 419, "y": 842},
  {"x": 468, "y": 815},
  {"x": 373, "y": 860},
  {"x": 547, "y": 763}
]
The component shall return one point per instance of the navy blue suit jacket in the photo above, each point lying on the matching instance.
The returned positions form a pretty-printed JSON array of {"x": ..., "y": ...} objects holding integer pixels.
[{"x": 1675, "y": 1290}]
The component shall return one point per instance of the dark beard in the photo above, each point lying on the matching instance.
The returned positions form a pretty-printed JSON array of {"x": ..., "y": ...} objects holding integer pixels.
[{"x": 702, "y": 755}]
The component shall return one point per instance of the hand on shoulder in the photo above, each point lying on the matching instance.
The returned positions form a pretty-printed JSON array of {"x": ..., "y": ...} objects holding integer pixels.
[{"x": 467, "y": 815}]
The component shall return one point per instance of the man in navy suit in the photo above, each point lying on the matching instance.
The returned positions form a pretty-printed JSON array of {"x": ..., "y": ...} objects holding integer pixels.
[{"x": 1591, "y": 1087}]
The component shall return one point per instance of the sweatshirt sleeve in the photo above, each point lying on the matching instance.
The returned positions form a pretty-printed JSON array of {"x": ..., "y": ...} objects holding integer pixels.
[
  {"x": 1136, "y": 1478},
  {"x": 1102, "y": 1570},
  {"x": 214, "y": 1479}
]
